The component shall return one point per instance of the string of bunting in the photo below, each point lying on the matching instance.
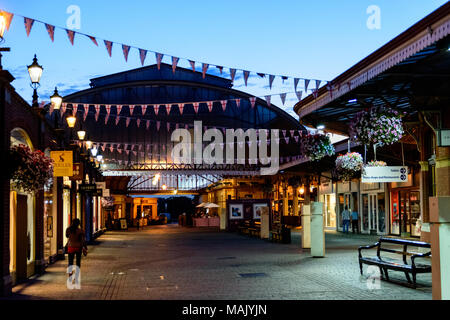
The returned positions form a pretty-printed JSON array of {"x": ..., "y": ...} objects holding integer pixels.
[{"x": 29, "y": 22}]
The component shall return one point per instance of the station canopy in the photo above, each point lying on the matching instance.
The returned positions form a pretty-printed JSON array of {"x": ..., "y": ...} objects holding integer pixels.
[{"x": 131, "y": 116}]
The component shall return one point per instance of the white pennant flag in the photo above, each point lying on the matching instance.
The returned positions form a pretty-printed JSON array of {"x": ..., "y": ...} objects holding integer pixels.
[
  {"x": 138, "y": 122},
  {"x": 252, "y": 101},
  {"x": 156, "y": 108},
  {"x": 131, "y": 107},
  {"x": 144, "y": 109},
  {"x": 210, "y": 105},
  {"x": 246, "y": 75},
  {"x": 181, "y": 107},
  {"x": 97, "y": 112},
  {"x": 119, "y": 109},
  {"x": 238, "y": 102},
  {"x": 63, "y": 109},
  {"x": 232, "y": 74},
  {"x": 283, "y": 98},
  {"x": 224, "y": 104}
]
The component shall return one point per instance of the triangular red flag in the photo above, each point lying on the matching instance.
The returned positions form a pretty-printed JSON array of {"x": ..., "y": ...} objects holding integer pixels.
[
  {"x": 126, "y": 50},
  {"x": 106, "y": 119},
  {"x": 192, "y": 65},
  {"x": 51, "y": 31},
  {"x": 204, "y": 69},
  {"x": 8, "y": 18},
  {"x": 196, "y": 105},
  {"x": 168, "y": 107},
  {"x": 156, "y": 108},
  {"x": 108, "y": 45},
  {"x": 159, "y": 57},
  {"x": 75, "y": 109},
  {"x": 131, "y": 107},
  {"x": 246, "y": 74},
  {"x": 119, "y": 109},
  {"x": 232, "y": 74},
  {"x": 252, "y": 101},
  {"x": 220, "y": 69},
  {"x": 28, "y": 25},
  {"x": 144, "y": 109},
  {"x": 142, "y": 55},
  {"x": 138, "y": 122},
  {"x": 128, "y": 121},
  {"x": 174, "y": 63},
  {"x": 117, "y": 120},
  {"x": 238, "y": 102},
  {"x": 63, "y": 109},
  {"x": 93, "y": 40},
  {"x": 86, "y": 111},
  {"x": 210, "y": 105},
  {"x": 224, "y": 104},
  {"x": 181, "y": 107},
  {"x": 71, "y": 35},
  {"x": 97, "y": 112}
]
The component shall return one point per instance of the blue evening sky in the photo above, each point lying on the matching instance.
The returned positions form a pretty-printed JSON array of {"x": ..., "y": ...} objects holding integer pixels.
[{"x": 305, "y": 39}]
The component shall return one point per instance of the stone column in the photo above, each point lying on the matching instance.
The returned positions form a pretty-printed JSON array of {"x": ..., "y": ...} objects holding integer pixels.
[
  {"x": 285, "y": 200},
  {"x": 306, "y": 217},
  {"x": 295, "y": 200}
]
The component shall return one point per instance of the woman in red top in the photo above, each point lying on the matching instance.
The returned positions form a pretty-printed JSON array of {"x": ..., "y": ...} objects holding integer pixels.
[{"x": 76, "y": 243}]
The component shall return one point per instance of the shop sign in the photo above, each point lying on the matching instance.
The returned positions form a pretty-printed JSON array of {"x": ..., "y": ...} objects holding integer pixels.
[
  {"x": 384, "y": 174},
  {"x": 62, "y": 163},
  {"x": 101, "y": 185},
  {"x": 77, "y": 172},
  {"x": 445, "y": 138},
  {"x": 106, "y": 193},
  {"x": 87, "y": 187}
]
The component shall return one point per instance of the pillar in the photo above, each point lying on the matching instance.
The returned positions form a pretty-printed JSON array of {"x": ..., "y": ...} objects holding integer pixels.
[
  {"x": 306, "y": 218},
  {"x": 295, "y": 200},
  {"x": 285, "y": 200},
  {"x": 317, "y": 231},
  {"x": 60, "y": 233}
]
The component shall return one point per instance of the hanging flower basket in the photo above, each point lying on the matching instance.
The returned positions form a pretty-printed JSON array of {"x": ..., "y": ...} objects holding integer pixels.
[
  {"x": 349, "y": 164},
  {"x": 375, "y": 163},
  {"x": 31, "y": 170},
  {"x": 378, "y": 125},
  {"x": 316, "y": 146}
]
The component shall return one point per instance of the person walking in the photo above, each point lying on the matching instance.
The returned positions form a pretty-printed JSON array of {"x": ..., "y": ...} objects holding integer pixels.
[
  {"x": 345, "y": 219},
  {"x": 355, "y": 224},
  {"x": 76, "y": 245}
]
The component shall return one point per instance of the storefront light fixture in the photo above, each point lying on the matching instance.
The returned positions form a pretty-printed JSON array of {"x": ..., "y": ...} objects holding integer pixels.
[
  {"x": 56, "y": 100},
  {"x": 164, "y": 187},
  {"x": 71, "y": 120}
]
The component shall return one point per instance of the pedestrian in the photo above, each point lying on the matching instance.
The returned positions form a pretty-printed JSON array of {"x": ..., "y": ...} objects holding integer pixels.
[
  {"x": 345, "y": 219},
  {"x": 76, "y": 245},
  {"x": 355, "y": 224}
]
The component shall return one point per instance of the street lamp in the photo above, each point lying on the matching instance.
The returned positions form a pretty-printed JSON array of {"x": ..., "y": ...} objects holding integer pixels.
[
  {"x": 71, "y": 120},
  {"x": 81, "y": 134},
  {"x": 35, "y": 72},
  {"x": 94, "y": 151},
  {"x": 2, "y": 27},
  {"x": 56, "y": 100},
  {"x": 88, "y": 144}
]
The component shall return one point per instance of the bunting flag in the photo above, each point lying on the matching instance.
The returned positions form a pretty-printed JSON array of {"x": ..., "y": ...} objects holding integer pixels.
[
  {"x": 210, "y": 105},
  {"x": 224, "y": 104},
  {"x": 63, "y": 109},
  {"x": 142, "y": 55},
  {"x": 111, "y": 148},
  {"x": 143, "y": 109},
  {"x": 318, "y": 84},
  {"x": 108, "y": 109},
  {"x": 306, "y": 84},
  {"x": 131, "y": 107},
  {"x": 292, "y": 132},
  {"x": 156, "y": 109},
  {"x": 103, "y": 147},
  {"x": 252, "y": 101},
  {"x": 220, "y": 69},
  {"x": 271, "y": 78},
  {"x": 204, "y": 68},
  {"x": 299, "y": 95},
  {"x": 128, "y": 121},
  {"x": 296, "y": 80},
  {"x": 127, "y": 152},
  {"x": 315, "y": 93},
  {"x": 51, "y": 31},
  {"x": 238, "y": 102},
  {"x": 74, "y": 109},
  {"x": 93, "y": 40},
  {"x": 159, "y": 57},
  {"x": 138, "y": 122},
  {"x": 119, "y": 109},
  {"x": 148, "y": 124},
  {"x": 117, "y": 120},
  {"x": 232, "y": 74},
  {"x": 71, "y": 35},
  {"x": 283, "y": 98},
  {"x": 284, "y": 132},
  {"x": 158, "y": 124},
  {"x": 181, "y": 107},
  {"x": 108, "y": 45},
  {"x": 192, "y": 63},
  {"x": 8, "y": 18},
  {"x": 126, "y": 50},
  {"x": 97, "y": 112},
  {"x": 196, "y": 105},
  {"x": 86, "y": 110},
  {"x": 296, "y": 138},
  {"x": 174, "y": 63},
  {"x": 28, "y": 25},
  {"x": 246, "y": 74},
  {"x": 106, "y": 119},
  {"x": 168, "y": 107},
  {"x": 268, "y": 100}
]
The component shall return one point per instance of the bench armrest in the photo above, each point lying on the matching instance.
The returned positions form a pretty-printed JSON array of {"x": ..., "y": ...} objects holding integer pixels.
[
  {"x": 367, "y": 247},
  {"x": 419, "y": 255}
]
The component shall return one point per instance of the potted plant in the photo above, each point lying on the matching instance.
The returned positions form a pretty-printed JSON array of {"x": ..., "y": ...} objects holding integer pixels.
[
  {"x": 316, "y": 146},
  {"x": 375, "y": 163},
  {"x": 32, "y": 170},
  {"x": 349, "y": 164},
  {"x": 378, "y": 125}
]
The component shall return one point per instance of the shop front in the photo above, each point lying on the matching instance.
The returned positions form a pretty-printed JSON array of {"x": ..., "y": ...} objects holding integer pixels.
[
  {"x": 327, "y": 195},
  {"x": 347, "y": 196},
  {"x": 373, "y": 208}
]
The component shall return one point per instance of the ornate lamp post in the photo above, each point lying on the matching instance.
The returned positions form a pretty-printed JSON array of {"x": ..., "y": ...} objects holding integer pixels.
[{"x": 35, "y": 72}]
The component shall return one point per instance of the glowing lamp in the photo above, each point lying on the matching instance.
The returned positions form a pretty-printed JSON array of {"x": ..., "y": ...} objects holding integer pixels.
[
  {"x": 71, "y": 120},
  {"x": 81, "y": 134},
  {"x": 56, "y": 100},
  {"x": 35, "y": 71}
]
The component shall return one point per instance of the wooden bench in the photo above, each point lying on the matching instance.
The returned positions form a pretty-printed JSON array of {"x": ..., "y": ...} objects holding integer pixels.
[
  {"x": 386, "y": 263},
  {"x": 249, "y": 228}
]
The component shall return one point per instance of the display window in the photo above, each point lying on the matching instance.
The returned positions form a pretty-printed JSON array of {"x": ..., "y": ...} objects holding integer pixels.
[{"x": 405, "y": 213}]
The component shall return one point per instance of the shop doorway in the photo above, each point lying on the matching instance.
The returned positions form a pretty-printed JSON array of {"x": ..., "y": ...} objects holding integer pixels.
[
  {"x": 373, "y": 213},
  {"x": 330, "y": 210},
  {"x": 405, "y": 213}
]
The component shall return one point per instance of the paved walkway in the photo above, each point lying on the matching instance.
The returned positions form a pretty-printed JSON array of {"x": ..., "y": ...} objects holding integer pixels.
[{"x": 171, "y": 262}]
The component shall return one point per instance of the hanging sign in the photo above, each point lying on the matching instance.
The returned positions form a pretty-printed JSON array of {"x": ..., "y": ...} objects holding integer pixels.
[
  {"x": 384, "y": 174},
  {"x": 444, "y": 140},
  {"x": 77, "y": 172},
  {"x": 62, "y": 163}
]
